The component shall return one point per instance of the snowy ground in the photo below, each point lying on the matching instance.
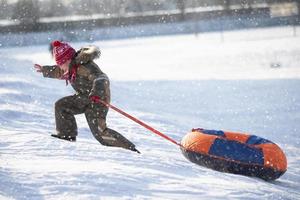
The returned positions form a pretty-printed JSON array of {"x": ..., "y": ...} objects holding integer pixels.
[{"x": 250, "y": 82}]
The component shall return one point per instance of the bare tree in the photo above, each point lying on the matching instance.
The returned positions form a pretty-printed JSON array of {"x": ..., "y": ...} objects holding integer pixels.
[
  {"x": 226, "y": 5},
  {"x": 57, "y": 8},
  {"x": 298, "y": 4},
  {"x": 3, "y": 9},
  {"x": 26, "y": 11},
  {"x": 132, "y": 6},
  {"x": 181, "y": 7}
]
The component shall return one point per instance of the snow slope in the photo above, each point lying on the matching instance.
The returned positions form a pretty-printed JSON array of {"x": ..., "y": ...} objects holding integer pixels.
[{"x": 174, "y": 83}]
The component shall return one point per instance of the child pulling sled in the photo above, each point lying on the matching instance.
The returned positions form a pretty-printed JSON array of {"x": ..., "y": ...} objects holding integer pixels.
[{"x": 91, "y": 85}]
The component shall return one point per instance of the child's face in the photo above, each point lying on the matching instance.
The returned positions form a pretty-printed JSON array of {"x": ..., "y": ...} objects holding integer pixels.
[{"x": 65, "y": 66}]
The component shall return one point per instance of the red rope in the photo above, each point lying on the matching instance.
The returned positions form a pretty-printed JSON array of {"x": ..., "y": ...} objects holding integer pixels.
[{"x": 140, "y": 122}]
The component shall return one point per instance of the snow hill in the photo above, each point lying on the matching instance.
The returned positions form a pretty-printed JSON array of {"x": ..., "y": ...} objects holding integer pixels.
[{"x": 247, "y": 81}]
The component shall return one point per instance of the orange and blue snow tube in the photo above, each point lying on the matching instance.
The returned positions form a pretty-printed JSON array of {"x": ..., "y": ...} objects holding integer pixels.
[{"x": 235, "y": 153}]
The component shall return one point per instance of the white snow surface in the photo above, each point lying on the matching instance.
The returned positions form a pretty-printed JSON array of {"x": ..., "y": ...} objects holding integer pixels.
[{"x": 249, "y": 81}]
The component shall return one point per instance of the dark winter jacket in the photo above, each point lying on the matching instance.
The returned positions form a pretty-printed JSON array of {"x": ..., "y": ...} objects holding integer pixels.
[{"x": 89, "y": 80}]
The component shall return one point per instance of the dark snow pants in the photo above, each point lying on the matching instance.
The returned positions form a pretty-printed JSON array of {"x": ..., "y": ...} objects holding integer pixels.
[{"x": 95, "y": 113}]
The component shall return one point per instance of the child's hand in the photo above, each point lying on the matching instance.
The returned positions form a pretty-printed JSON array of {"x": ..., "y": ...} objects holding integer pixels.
[
  {"x": 38, "y": 68},
  {"x": 95, "y": 99}
]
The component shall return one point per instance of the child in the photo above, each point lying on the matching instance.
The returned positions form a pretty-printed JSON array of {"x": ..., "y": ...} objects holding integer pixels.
[{"x": 90, "y": 84}]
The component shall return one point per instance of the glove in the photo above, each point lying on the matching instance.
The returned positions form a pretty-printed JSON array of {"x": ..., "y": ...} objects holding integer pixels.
[
  {"x": 95, "y": 99},
  {"x": 38, "y": 68}
]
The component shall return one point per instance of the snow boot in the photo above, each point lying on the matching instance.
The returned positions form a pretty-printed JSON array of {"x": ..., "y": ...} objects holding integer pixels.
[
  {"x": 132, "y": 148},
  {"x": 63, "y": 137}
]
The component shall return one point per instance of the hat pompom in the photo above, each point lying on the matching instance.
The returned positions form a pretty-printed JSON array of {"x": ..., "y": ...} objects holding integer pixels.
[{"x": 56, "y": 43}]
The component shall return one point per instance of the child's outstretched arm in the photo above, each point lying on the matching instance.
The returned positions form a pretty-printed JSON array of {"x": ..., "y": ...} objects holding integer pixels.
[{"x": 49, "y": 71}]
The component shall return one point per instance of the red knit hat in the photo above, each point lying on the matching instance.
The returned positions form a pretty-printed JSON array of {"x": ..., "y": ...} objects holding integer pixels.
[{"x": 62, "y": 52}]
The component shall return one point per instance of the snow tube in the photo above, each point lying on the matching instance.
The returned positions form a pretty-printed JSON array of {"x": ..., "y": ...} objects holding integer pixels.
[{"x": 235, "y": 153}]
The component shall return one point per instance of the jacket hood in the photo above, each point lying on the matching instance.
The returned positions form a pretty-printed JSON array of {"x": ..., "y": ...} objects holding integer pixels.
[{"x": 87, "y": 54}]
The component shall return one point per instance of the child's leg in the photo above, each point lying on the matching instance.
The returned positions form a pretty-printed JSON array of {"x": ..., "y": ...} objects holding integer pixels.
[
  {"x": 96, "y": 118},
  {"x": 65, "y": 109}
]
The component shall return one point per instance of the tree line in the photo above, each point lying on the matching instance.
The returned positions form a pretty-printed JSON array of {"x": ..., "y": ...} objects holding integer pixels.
[{"x": 30, "y": 11}]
